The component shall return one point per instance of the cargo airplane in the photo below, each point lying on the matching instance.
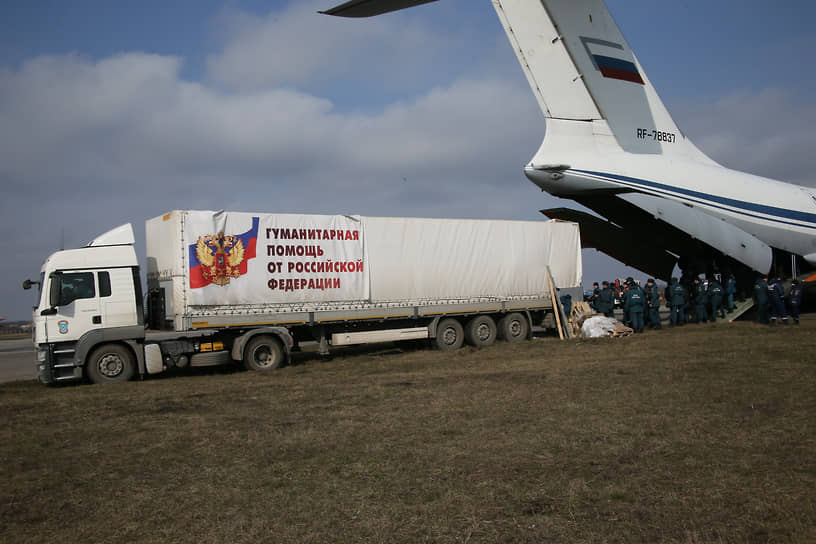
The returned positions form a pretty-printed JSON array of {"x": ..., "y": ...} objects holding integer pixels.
[{"x": 611, "y": 145}]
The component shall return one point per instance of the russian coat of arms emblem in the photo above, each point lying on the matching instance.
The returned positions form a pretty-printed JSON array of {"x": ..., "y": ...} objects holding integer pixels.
[{"x": 220, "y": 256}]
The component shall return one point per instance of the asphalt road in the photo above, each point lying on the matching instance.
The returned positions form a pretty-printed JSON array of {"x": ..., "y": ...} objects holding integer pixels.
[{"x": 17, "y": 360}]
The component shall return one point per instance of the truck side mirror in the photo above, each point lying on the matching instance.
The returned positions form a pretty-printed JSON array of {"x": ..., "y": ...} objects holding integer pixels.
[{"x": 27, "y": 284}]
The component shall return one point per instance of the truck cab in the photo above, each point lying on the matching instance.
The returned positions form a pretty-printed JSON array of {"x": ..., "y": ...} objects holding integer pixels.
[{"x": 89, "y": 318}]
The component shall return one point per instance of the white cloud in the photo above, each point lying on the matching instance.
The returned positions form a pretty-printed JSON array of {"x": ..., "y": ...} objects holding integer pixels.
[
  {"x": 768, "y": 132},
  {"x": 132, "y": 116},
  {"x": 297, "y": 47}
]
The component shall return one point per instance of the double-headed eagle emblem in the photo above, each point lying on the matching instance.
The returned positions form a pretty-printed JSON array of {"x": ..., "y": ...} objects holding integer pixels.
[{"x": 220, "y": 256}]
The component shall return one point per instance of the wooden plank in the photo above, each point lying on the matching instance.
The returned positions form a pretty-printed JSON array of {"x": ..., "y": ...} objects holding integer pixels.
[{"x": 556, "y": 305}]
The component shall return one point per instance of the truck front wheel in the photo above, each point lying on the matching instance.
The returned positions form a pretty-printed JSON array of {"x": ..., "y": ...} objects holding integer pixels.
[
  {"x": 449, "y": 335},
  {"x": 111, "y": 363},
  {"x": 263, "y": 353}
]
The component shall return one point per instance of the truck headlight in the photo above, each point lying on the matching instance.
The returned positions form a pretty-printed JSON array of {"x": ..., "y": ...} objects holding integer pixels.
[{"x": 42, "y": 355}]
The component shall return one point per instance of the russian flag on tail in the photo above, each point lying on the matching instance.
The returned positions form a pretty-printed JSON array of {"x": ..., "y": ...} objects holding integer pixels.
[
  {"x": 222, "y": 260},
  {"x": 618, "y": 69},
  {"x": 606, "y": 57}
]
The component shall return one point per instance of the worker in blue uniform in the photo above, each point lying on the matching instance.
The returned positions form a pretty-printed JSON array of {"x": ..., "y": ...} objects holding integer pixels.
[
  {"x": 795, "y": 300},
  {"x": 626, "y": 319},
  {"x": 653, "y": 303},
  {"x": 677, "y": 303},
  {"x": 596, "y": 292},
  {"x": 761, "y": 299},
  {"x": 700, "y": 301},
  {"x": 776, "y": 300},
  {"x": 606, "y": 300},
  {"x": 634, "y": 302},
  {"x": 715, "y": 295},
  {"x": 730, "y": 291}
]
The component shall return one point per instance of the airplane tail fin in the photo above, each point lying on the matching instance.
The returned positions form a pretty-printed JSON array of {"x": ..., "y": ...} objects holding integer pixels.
[{"x": 587, "y": 80}]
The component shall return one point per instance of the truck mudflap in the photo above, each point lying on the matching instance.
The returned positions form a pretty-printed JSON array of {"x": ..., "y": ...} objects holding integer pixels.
[
  {"x": 153, "y": 359},
  {"x": 282, "y": 333}
]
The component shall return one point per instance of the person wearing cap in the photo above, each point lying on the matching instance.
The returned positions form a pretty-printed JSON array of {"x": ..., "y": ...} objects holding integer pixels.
[
  {"x": 795, "y": 300},
  {"x": 633, "y": 303},
  {"x": 596, "y": 292},
  {"x": 624, "y": 288},
  {"x": 653, "y": 303},
  {"x": 606, "y": 300}
]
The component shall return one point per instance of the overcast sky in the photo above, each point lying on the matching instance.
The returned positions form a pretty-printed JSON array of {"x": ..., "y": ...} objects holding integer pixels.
[{"x": 115, "y": 112}]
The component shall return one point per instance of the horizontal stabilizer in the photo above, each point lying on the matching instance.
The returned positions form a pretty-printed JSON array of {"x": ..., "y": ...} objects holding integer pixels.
[
  {"x": 370, "y": 8},
  {"x": 618, "y": 243}
]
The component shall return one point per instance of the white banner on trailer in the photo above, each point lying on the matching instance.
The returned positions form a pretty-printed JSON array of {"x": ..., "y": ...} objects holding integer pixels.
[{"x": 241, "y": 261}]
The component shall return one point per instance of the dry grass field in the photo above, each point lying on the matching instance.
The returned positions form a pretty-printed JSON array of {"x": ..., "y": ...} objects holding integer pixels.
[{"x": 688, "y": 435}]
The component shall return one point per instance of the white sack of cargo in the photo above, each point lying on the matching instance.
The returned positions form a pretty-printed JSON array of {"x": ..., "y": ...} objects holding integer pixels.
[
  {"x": 250, "y": 263},
  {"x": 599, "y": 326}
]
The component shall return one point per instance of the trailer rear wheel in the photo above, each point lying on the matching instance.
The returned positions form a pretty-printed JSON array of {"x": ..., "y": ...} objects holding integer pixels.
[
  {"x": 513, "y": 327},
  {"x": 263, "y": 353},
  {"x": 480, "y": 331},
  {"x": 110, "y": 363},
  {"x": 449, "y": 335}
]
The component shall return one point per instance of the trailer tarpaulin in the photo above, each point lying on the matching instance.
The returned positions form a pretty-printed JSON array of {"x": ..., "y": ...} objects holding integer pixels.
[
  {"x": 419, "y": 259},
  {"x": 232, "y": 260}
]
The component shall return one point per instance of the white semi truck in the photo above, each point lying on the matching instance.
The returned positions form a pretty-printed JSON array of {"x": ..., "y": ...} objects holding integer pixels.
[{"x": 226, "y": 287}]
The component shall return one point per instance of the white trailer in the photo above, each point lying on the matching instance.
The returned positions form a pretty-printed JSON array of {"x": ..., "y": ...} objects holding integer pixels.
[{"x": 228, "y": 286}]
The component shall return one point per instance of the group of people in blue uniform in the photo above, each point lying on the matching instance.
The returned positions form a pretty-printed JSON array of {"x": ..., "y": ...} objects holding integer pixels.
[
  {"x": 641, "y": 306},
  {"x": 700, "y": 301},
  {"x": 773, "y": 304},
  {"x": 694, "y": 301}
]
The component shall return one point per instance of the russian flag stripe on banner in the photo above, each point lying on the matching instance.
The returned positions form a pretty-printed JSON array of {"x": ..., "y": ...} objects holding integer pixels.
[
  {"x": 250, "y": 241},
  {"x": 618, "y": 69}
]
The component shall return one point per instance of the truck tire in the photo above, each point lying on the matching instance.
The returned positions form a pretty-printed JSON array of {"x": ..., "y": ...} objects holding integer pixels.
[
  {"x": 110, "y": 363},
  {"x": 480, "y": 331},
  {"x": 514, "y": 327},
  {"x": 263, "y": 353},
  {"x": 449, "y": 335}
]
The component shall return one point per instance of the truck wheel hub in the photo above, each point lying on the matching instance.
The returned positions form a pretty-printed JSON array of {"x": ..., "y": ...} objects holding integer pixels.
[
  {"x": 110, "y": 366},
  {"x": 515, "y": 328},
  {"x": 483, "y": 332}
]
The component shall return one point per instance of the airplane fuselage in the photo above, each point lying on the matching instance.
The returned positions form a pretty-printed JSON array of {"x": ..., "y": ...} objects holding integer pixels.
[{"x": 780, "y": 214}]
